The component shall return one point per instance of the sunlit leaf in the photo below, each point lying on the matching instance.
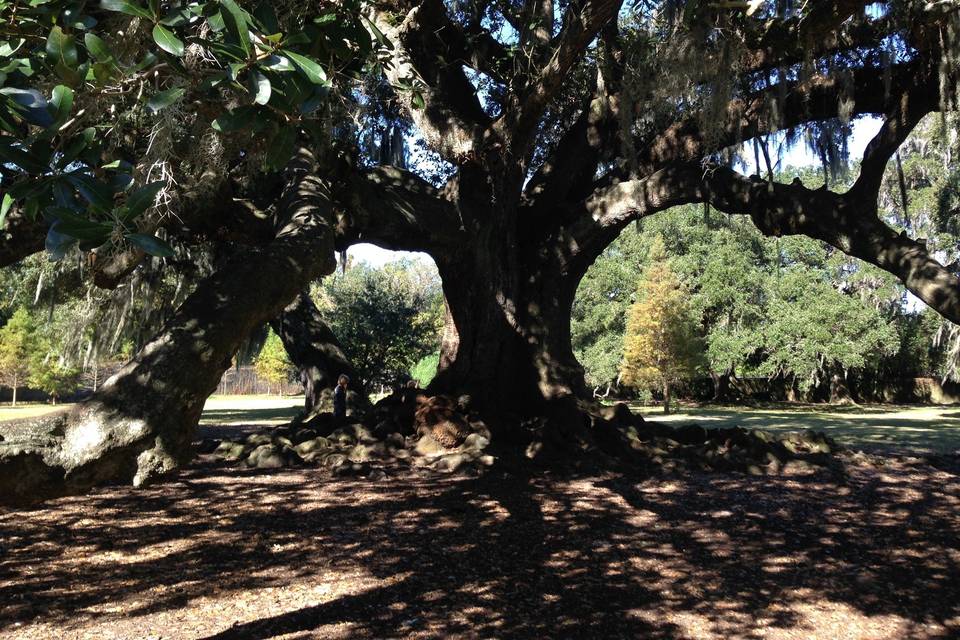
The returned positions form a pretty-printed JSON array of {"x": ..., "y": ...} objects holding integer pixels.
[
  {"x": 311, "y": 69},
  {"x": 167, "y": 41},
  {"x": 260, "y": 87},
  {"x": 129, "y": 8},
  {"x": 236, "y": 24}
]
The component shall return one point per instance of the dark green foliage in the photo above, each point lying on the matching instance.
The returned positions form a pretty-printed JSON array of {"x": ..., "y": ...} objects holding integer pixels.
[
  {"x": 84, "y": 88},
  {"x": 387, "y": 319},
  {"x": 788, "y": 307}
]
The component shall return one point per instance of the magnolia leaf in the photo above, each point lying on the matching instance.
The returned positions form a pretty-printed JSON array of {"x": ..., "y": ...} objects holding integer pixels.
[
  {"x": 142, "y": 199},
  {"x": 62, "y": 48},
  {"x": 97, "y": 48},
  {"x": 167, "y": 41},
  {"x": 236, "y": 24},
  {"x": 62, "y": 102},
  {"x": 260, "y": 87},
  {"x": 164, "y": 99},
  {"x": 5, "y": 206},
  {"x": 311, "y": 69},
  {"x": 151, "y": 244},
  {"x": 129, "y": 8}
]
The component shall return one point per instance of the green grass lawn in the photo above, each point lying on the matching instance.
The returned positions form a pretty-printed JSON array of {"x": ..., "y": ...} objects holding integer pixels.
[
  {"x": 29, "y": 410},
  {"x": 932, "y": 429},
  {"x": 260, "y": 410}
]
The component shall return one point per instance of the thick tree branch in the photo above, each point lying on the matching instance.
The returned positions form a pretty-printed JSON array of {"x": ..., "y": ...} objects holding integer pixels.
[
  {"x": 397, "y": 210},
  {"x": 906, "y": 114},
  {"x": 826, "y": 27},
  {"x": 811, "y": 101},
  {"x": 846, "y": 221},
  {"x": 452, "y": 120},
  {"x": 314, "y": 349},
  {"x": 572, "y": 165},
  {"x": 582, "y": 22},
  {"x": 140, "y": 424}
]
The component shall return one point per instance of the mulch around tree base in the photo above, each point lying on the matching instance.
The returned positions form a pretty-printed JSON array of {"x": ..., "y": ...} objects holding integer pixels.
[{"x": 226, "y": 552}]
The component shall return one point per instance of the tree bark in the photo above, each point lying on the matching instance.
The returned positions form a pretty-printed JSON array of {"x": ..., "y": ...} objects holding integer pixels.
[
  {"x": 666, "y": 397},
  {"x": 506, "y": 338},
  {"x": 140, "y": 424},
  {"x": 314, "y": 350}
]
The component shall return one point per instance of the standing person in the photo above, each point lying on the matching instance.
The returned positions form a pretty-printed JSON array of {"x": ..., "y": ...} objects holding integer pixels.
[{"x": 340, "y": 397}]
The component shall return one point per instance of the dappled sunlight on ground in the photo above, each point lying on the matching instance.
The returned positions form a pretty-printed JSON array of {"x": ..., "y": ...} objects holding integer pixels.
[
  {"x": 223, "y": 552},
  {"x": 927, "y": 429}
]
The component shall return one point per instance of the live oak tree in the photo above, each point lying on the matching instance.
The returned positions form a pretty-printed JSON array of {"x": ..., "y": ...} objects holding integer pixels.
[{"x": 590, "y": 115}]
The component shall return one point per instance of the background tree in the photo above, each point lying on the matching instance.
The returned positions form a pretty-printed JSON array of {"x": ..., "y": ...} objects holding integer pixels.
[
  {"x": 17, "y": 348},
  {"x": 661, "y": 347},
  {"x": 53, "y": 377},
  {"x": 272, "y": 363},
  {"x": 813, "y": 333},
  {"x": 738, "y": 283},
  {"x": 387, "y": 318}
]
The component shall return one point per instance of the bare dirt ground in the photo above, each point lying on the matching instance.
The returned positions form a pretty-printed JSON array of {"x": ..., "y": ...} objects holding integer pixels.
[{"x": 225, "y": 552}]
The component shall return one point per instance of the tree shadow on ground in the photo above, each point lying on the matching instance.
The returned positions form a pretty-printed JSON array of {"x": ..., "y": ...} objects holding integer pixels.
[{"x": 495, "y": 556}]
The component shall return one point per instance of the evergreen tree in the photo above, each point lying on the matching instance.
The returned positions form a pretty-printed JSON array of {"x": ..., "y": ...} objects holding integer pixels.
[
  {"x": 17, "y": 347},
  {"x": 273, "y": 364},
  {"x": 56, "y": 379},
  {"x": 388, "y": 318},
  {"x": 661, "y": 346}
]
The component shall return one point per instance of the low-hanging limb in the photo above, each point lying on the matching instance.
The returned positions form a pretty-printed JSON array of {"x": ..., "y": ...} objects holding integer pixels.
[
  {"x": 397, "y": 210},
  {"x": 140, "y": 424},
  {"x": 847, "y": 221},
  {"x": 314, "y": 350}
]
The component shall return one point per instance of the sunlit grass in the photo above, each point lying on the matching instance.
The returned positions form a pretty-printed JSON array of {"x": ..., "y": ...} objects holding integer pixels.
[
  {"x": 924, "y": 429},
  {"x": 29, "y": 410}
]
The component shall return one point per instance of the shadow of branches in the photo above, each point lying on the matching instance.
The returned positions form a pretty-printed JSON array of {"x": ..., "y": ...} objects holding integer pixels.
[{"x": 247, "y": 554}]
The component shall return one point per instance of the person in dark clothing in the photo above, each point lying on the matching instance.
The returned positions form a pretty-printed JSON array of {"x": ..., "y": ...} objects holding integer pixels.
[{"x": 340, "y": 397}]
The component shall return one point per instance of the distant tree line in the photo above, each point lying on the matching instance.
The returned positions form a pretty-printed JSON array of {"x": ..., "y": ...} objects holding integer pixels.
[{"x": 790, "y": 308}]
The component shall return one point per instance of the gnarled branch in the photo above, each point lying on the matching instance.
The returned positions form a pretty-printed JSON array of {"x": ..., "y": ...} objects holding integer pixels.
[{"x": 451, "y": 120}]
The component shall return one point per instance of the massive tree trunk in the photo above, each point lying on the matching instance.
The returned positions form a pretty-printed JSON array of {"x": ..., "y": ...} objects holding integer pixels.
[
  {"x": 511, "y": 247},
  {"x": 506, "y": 337},
  {"x": 314, "y": 350},
  {"x": 141, "y": 422}
]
